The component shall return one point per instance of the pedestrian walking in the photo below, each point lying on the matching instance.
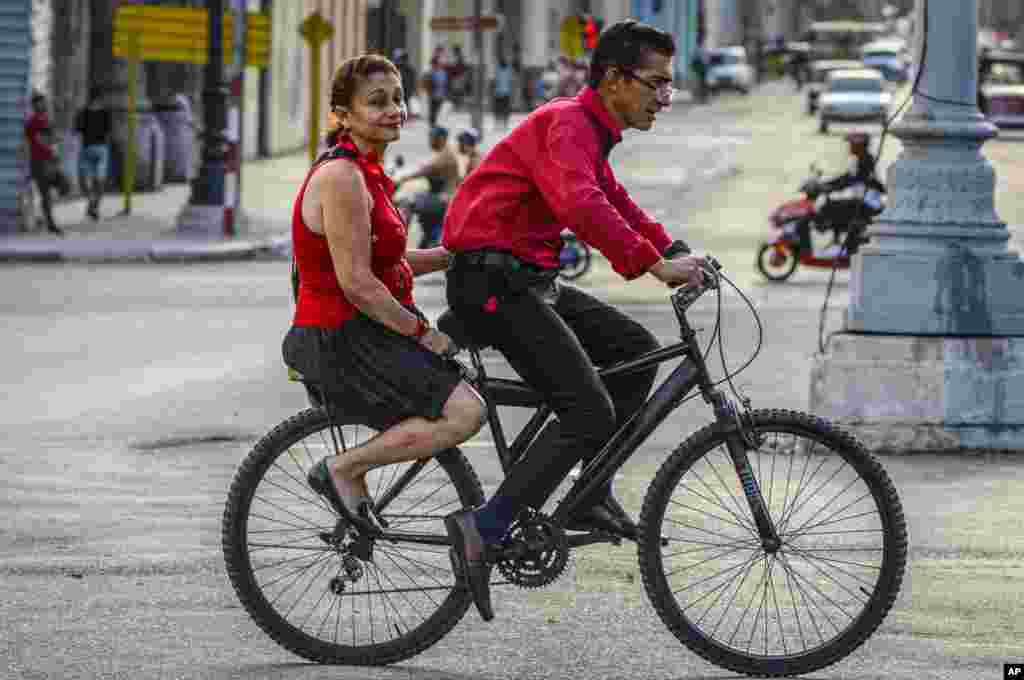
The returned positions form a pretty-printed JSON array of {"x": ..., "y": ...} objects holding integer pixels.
[
  {"x": 43, "y": 162},
  {"x": 94, "y": 123},
  {"x": 408, "y": 76},
  {"x": 503, "y": 78},
  {"x": 699, "y": 65},
  {"x": 437, "y": 89}
]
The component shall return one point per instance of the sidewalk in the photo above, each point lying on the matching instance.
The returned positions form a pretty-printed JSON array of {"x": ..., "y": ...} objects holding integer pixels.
[{"x": 149, "y": 233}]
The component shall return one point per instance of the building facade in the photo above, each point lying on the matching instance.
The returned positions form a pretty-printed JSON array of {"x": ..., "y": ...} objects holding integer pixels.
[{"x": 15, "y": 77}]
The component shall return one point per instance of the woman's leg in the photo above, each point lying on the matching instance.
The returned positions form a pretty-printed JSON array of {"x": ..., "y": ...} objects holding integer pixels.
[{"x": 462, "y": 417}]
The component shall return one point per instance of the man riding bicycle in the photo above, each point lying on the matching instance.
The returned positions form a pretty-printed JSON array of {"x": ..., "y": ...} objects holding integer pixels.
[
  {"x": 503, "y": 227},
  {"x": 442, "y": 173}
]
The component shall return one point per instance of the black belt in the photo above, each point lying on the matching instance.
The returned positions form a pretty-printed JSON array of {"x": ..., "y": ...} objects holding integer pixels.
[{"x": 496, "y": 259}]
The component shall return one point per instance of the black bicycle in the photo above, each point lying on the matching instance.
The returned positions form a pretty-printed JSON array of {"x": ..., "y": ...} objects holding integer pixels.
[{"x": 771, "y": 542}]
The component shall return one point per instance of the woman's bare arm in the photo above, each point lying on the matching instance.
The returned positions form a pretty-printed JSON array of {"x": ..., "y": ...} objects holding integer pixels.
[
  {"x": 427, "y": 260},
  {"x": 346, "y": 211}
]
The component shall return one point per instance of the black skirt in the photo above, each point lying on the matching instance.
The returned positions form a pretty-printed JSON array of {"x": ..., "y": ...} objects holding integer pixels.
[{"x": 369, "y": 371}]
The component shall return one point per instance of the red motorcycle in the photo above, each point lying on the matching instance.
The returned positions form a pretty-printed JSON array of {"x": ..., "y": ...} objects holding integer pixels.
[{"x": 816, "y": 210}]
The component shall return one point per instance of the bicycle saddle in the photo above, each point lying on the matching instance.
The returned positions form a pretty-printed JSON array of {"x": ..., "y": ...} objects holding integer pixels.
[{"x": 454, "y": 328}]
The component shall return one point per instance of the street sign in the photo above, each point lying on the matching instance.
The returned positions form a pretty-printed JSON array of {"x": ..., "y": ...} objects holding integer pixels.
[
  {"x": 315, "y": 29},
  {"x": 487, "y": 23},
  {"x": 179, "y": 34}
]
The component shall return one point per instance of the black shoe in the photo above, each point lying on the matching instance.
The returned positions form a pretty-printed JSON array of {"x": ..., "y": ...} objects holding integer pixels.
[
  {"x": 55, "y": 230},
  {"x": 357, "y": 510},
  {"x": 469, "y": 559},
  {"x": 93, "y": 212},
  {"x": 607, "y": 516}
]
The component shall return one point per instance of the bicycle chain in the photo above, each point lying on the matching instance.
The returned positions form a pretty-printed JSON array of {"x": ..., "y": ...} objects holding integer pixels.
[{"x": 535, "y": 553}]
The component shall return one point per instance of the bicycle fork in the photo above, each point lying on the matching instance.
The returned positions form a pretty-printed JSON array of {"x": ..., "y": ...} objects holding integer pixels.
[{"x": 738, "y": 442}]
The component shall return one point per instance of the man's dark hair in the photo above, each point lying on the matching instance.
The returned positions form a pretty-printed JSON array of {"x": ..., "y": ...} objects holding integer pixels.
[{"x": 625, "y": 44}]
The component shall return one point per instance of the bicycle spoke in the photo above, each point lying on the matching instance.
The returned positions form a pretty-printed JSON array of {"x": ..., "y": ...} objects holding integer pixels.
[{"x": 751, "y": 606}]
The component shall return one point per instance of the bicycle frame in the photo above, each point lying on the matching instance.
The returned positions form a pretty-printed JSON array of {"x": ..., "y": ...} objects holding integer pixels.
[{"x": 692, "y": 372}]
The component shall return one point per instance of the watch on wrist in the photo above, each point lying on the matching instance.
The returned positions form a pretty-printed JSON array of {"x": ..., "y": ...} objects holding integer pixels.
[{"x": 675, "y": 249}]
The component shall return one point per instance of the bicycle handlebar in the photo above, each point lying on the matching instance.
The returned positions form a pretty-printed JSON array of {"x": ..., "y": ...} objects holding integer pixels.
[{"x": 684, "y": 297}]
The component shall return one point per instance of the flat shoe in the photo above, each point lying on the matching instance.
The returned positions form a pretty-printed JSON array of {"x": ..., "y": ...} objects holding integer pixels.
[
  {"x": 469, "y": 553},
  {"x": 607, "y": 516},
  {"x": 358, "y": 510}
]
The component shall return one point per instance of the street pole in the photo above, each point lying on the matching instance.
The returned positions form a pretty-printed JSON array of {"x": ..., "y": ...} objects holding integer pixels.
[
  {"x": 233, "y": 159},
  {"x": 481, "y": 79},
  {"x": 932, "y": 337},
  {"x": 204, "y": 213},
  {"x": 208, "y": 188}
]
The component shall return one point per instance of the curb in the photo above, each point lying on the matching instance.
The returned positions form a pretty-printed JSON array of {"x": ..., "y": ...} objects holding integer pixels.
[{"x": 37, "y": 250}]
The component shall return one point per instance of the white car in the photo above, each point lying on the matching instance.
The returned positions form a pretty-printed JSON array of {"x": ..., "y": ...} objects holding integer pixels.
[
  {"x": 853, "y": 96},
  {"x": 727, "y": 67},
  {"x": 889, "y": 57}
]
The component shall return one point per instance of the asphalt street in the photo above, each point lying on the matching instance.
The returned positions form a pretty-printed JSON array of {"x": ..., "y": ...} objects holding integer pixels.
[{"x": 135, "y": 390}]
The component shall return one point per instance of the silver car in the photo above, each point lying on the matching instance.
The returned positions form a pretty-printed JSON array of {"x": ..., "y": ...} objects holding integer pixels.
[{"x": 853, "y": 96}]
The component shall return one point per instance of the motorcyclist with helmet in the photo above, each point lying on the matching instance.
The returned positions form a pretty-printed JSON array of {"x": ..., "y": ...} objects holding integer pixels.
[
  {"x": 851, "y": 214},
  {"x": 441, "y": 170}
]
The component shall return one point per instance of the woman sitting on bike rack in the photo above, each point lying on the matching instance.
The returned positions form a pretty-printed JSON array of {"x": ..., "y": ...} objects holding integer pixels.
[
  {"x": 503, "y": 226},
  {"x": 357, "y": 337}
]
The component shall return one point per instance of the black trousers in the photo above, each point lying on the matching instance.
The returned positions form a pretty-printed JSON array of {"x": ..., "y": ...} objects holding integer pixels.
[{"x": 555, "y": 336}]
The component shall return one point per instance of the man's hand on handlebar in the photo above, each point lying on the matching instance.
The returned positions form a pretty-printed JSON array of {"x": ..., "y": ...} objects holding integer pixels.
[{"x": 687, "y": 270}]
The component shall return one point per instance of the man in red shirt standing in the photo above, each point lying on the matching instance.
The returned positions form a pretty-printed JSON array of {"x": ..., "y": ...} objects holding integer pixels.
[
  {"x": 503, "y": 227},
  {"x": 42, "y": 156}
]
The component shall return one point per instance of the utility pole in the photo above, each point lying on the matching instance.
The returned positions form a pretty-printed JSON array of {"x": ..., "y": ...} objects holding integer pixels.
[
  {"x": 933, "y": 336},
  {"x": 205, "y": 211},
  {"x": 481, "y": 78}
]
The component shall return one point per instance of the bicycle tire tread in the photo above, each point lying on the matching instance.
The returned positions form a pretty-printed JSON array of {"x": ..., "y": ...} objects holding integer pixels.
[
  {"x": 836, "y": 650},
  {"x": 283, "y": 633}
]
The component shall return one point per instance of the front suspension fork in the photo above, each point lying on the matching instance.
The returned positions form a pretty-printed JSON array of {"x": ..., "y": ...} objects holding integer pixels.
[{"x": 739, "y": 440}]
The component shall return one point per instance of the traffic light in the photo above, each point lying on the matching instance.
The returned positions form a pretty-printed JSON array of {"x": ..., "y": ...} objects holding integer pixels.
[{"x": 590, "y": 33}]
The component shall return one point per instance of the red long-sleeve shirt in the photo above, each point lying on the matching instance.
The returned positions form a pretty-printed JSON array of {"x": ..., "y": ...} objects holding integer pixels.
[{"x": 550, "y": 173}]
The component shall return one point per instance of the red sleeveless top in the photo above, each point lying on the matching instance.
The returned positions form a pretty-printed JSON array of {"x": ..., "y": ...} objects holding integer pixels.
[{"x": 321, "y": 302}]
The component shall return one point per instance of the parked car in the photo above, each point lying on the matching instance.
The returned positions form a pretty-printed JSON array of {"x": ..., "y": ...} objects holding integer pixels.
[
  {"x": 728, "y": 68},
  {"x": 1002, "y": 88},
  {"x": 889, "y": 57},
  {"x": 853, "y": 95},
  {"x": 817, "y": 72}
]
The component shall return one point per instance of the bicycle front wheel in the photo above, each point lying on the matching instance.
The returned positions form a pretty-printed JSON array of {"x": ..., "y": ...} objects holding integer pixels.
[
  {"x": 788, "y": 611},
  {"x": 328, "y": 595}
]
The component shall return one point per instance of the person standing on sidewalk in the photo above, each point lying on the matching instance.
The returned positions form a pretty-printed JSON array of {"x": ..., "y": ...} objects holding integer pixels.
[
  {"x": 503, "y": 78},
  {"x": 436, "y": 83},
  {"x": 94, "y": 123},
  {"x": 43, "y": 160},
  {"x": 550, "y": 173},
  {"x": 356, "y": 331}
]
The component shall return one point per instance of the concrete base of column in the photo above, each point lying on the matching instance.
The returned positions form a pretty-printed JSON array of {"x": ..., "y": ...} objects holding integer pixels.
[{"x": 911, "y": 393}]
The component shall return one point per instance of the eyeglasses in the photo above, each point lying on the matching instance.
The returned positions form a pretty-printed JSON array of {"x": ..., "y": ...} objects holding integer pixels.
[{"x": 665, "y": 91}]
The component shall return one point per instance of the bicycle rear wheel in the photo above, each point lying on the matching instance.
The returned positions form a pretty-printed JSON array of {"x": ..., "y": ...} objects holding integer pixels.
[
  {"x": 795, "y": 610},
  {"x": 325, "y": 594}
]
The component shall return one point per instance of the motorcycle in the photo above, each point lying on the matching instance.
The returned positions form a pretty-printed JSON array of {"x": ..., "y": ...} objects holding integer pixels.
[{"x": 816, "y": 210}]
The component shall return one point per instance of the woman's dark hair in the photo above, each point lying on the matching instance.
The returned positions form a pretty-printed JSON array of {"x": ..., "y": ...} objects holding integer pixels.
[
  {"x": 347, "y": 78},
  {"x": 625, "y": 44}
]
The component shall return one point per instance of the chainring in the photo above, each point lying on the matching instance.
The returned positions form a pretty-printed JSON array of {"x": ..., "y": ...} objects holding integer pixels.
[{"x": 535, "y": 553}]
